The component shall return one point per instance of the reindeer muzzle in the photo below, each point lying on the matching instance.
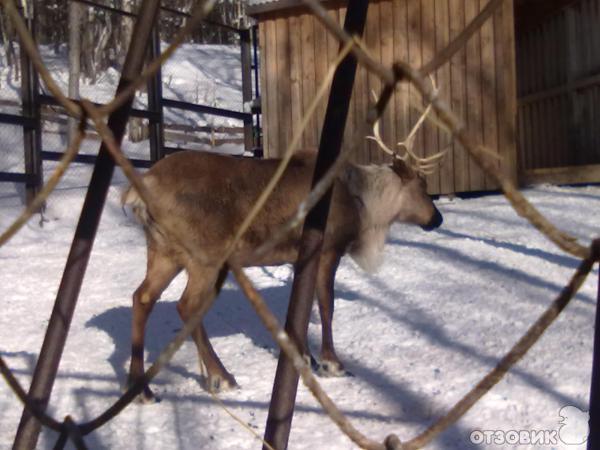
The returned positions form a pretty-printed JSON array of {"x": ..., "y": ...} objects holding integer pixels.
[{"x": 435, "y": 221}]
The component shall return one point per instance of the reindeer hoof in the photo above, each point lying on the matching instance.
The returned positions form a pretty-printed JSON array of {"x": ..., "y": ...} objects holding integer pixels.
[
  {"x": 219, "y": 383},
  {"x": 146, "y": 397},
  {"x": 330, "y": 369}
]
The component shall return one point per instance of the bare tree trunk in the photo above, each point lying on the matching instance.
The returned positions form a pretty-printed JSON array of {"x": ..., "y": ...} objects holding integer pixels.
[
  {"x": 75, "y": 18},
  {"x": 127, "y": 27},
  {"x": 8, "y": 36},
  {"x": 100, "y": 60}
]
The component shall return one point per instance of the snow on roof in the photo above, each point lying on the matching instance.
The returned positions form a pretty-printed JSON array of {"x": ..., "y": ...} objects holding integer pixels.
[
  {"x": 260, "y": 2},
  {"x": 262, "y": 6}
]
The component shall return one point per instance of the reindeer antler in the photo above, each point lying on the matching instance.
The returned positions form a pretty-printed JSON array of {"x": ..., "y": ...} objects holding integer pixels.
[{"x": 425, "y": 166}]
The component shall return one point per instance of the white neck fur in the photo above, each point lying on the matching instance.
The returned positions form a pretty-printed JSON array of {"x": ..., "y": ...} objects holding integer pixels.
[{"x": 375, "y": 189}]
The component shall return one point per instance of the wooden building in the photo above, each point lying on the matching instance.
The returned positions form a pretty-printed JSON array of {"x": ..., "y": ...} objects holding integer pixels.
[
  {"x": 479, "y": 81},
  {"x": 558, "y": 68},
  {"x": 486, "y": 83}
]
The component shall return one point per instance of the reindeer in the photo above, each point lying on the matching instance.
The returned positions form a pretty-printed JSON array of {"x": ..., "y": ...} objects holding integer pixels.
[{"x": 199, "y": 199}]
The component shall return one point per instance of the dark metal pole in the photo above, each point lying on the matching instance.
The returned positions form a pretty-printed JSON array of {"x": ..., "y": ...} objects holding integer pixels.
[
  {"x": 594, "y": 437},
  {"x": 155, "y": 93},
  {"x": 258, "y": 150},
  {"x": 246, "y": 60},
  {"x": 32, "y": 136},
  {"x": 81, "y": 247},
  {"x": 283, "y": 399},
  {"x": 255, "y": 64}
]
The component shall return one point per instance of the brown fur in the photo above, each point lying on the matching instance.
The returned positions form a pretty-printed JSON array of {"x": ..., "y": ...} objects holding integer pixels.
[{"x": 199, "y": 201}]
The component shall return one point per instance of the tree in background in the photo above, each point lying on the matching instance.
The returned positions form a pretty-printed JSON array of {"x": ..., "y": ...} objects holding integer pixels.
[
  {"x": 104, "y": 35},
  {"x": 75, "y": 16}
]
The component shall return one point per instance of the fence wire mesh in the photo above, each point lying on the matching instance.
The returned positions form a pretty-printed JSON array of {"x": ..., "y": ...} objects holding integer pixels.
[
  {"x": 11, "y": 151},
  {"x": 12, "y": 160},
  {"x": 390, "y": 77}
]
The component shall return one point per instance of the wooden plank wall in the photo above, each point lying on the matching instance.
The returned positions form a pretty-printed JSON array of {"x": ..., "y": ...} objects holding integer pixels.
[
  {"x": 479, "y": 82},
  {"x": 559, "y": 90}
]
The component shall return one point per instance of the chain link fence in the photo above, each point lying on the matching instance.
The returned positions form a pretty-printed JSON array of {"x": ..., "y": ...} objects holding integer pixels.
[
  {"x": 390, "y": 77},
  {"x": 204, "y": 113}
]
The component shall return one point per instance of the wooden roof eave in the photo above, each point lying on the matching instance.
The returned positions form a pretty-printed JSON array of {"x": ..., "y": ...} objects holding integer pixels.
[
  {"x": 530, "y": 13},
  {"x": 289, "y": 6}
]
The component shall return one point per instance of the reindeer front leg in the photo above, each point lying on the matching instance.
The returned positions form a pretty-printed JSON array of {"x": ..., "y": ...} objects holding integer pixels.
[{"x": 329, "y": 364}]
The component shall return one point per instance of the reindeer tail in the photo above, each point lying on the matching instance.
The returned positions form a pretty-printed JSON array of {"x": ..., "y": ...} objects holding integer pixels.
[{"x": 132, "y": 198}]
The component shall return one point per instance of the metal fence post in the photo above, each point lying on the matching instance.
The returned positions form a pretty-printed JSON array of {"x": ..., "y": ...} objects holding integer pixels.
[
  {"x": 155, "y": 94},
  {"x": 258, "y": 150},
  {"x": 32, "y": 133},
  {"x": 283, "y": 398},
  {"x": 594, "y": 436},
  {"x": 81, "y": 247},
  {"x": 246, "y": 59}
]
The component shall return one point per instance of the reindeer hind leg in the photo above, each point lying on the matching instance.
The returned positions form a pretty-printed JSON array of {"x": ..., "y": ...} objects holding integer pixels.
[
  {"x": 160, "y": 272},
  {"x": 203, "y": 286}
]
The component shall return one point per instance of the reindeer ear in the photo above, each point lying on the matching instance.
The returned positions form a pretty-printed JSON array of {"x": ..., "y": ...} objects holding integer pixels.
[{"x": 403, "y": 170}]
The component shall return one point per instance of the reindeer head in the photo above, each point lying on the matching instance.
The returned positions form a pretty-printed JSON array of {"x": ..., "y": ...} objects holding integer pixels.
[{"x": 414, "y": 204}]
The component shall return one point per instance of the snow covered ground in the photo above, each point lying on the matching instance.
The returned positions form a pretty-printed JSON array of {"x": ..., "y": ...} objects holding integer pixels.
[
  {"x": 205, "y": 74},
  {"x": 445, "y": 306},
  {"x": 416, "y": 336}
]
